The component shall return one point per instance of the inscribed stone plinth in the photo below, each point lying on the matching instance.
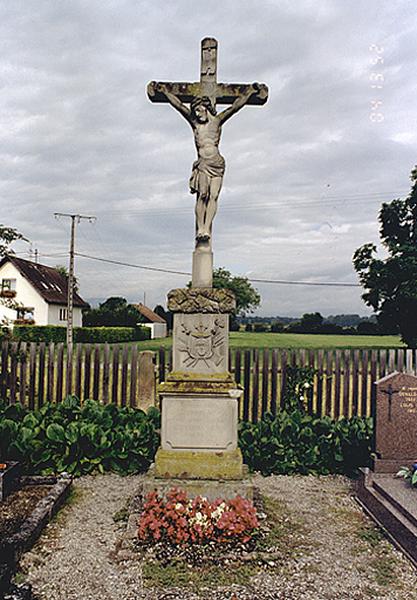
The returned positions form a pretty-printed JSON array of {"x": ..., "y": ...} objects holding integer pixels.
[
  {"x": 396, "y": 422},
  {"x": 183, "y": 419}
]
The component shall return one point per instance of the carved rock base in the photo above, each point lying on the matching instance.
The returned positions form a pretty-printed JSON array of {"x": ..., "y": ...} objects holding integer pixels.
[{"x": 199, "y": 465}]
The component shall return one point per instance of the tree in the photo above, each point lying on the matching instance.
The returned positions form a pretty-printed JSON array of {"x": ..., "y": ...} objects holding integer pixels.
[
  {"x": 311, "y": 322},
  {"x": 165, "y": 314},
  {"x": 247, "y": 297},
  {"x": 114, "y": 312},
  {"x": 62, "y": 270},
  {"x": 391, "y": 283},
  {"x": 8, "y": 235}
]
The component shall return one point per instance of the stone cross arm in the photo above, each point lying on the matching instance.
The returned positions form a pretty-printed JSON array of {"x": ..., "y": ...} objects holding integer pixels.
[
  {"x": 221, "y": 93},
  {"x": 225, "y": 93}
]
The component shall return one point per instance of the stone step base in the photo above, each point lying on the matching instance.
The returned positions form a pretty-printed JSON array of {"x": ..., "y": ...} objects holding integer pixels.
[
  {"x": 391, "y": 503},
  {"x": 192, "y": 464},
  {"x": 208, "y": 488}
]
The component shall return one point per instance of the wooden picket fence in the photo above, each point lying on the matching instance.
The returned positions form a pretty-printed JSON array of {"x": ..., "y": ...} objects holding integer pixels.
[
  {"x": 343, "y": 384},
  {"x": 33, "y": 374}
]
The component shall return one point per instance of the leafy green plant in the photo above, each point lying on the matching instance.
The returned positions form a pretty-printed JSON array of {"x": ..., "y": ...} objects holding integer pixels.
[
  {"x": 409, "y": 474},
  {"x": 78, "y": 438},
  {"x": 294, "y": 442},
  {"x": 299, "y": 385}
]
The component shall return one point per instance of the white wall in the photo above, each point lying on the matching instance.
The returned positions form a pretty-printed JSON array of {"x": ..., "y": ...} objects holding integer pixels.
[
  {"x": 53, "y": 315},
  {"x": 158, "y": 330},
  {"x": 25, "y": 295}
]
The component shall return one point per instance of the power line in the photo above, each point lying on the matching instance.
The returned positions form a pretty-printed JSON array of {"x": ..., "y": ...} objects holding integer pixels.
[
  {"x": 299, "y": 202},
  {"x": 124, "y": 264},
  {"x": 160, "y": 270}
]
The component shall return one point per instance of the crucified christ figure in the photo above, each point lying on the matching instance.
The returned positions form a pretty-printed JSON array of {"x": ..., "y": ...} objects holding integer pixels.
[{"x": 208, "y": 170}]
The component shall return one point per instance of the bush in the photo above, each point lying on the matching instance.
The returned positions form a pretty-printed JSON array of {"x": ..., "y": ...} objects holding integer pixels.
[
  {"x": 39, "y": 333},
  {"x": 260, "y": 327},
  {"x": 57, "y": 333},
  {"x": 277, "y": 328},
  {"x": 234, "y": 324},
  {"x": 79, "y": 438},
  {"x": 248, "y": 327},
  {"x": 294, "y": 442},
  {"x": 368, "y": 328}
]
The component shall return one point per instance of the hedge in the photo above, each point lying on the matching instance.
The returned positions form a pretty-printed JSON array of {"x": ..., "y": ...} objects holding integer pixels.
[{"x": 56, "y": 333}]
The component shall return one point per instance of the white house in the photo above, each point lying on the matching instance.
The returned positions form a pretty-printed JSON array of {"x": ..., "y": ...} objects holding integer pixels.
[
  {"x": 39, "y": 291},
  {"x": 156, "y": 324}
]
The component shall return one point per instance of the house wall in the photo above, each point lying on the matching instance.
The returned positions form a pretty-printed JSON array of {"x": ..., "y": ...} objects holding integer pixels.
[
  {"x": 158, "y": 330},
  {"x": 53, "y": 315},
  {"x": 25, "y": 295}
]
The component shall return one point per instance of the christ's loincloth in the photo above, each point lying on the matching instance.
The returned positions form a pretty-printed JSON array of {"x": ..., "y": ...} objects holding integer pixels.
[{"x": 204, "y": 170}]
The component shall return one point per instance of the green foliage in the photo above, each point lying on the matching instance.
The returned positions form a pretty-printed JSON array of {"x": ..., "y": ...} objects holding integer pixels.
[
  {"x": 79, "y": 438},
  {"x": 111, "y": 334},
  {"x": 298, "y": 387},
  {"x": 294, "y": 442},
  {"x": 56, "y": 333},
  {"x": 260, "y": 327},
  {"x": 114, "y": 312},
  {"x": 247, "y": 297},
  {"x": 39, "y": 333},
  {"x": 8, "y": 235},
  {"x": 391, "y": 283}
]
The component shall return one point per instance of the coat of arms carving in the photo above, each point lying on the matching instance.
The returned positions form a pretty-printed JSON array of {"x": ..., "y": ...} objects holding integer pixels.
[{"x": 202, "y": 343}]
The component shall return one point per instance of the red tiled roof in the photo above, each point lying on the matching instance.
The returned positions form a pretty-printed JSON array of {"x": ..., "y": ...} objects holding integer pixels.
[
  {"x": 47, "y": 281},
  {"x": 149, "y": 314}
]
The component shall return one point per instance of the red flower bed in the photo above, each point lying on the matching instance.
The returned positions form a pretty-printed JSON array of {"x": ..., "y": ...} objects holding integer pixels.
[{"x": 179, "y": 520}]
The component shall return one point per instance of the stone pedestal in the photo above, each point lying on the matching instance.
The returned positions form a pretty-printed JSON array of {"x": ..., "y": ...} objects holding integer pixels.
[
  {"x": 202, "y": 266},
  {"x": 200, "y": 397}
]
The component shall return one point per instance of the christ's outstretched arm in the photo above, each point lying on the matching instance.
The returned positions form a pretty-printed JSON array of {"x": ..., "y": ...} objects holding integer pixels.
[
  {"x": 177, "y": 104},
  {"x": 238, "y": 104}
]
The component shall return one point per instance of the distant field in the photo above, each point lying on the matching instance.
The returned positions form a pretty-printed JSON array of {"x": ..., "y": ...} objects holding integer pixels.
[{"x": 294, "y": 340}]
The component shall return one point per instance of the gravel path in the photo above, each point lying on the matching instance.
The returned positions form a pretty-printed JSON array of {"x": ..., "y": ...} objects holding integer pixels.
[{"x": 343, "y": 556}]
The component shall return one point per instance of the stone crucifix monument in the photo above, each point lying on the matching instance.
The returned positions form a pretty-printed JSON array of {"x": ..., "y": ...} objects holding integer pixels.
[{"x": 200, "y": 397}]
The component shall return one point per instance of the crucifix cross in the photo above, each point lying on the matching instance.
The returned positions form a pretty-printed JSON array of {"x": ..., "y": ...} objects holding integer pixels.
[
  {"x": 208, "y": 170},
  {"x": 390, "y": 392},
  {"x": 219, "y": 93}
]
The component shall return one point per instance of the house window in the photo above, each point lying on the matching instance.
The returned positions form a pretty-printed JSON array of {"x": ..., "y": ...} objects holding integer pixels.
[
  {"x": 63, "y": 314},
  {"x": 8, "y": 284}
]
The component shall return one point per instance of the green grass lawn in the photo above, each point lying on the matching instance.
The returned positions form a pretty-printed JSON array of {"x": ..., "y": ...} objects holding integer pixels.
[{"x": 241, "y": 339}]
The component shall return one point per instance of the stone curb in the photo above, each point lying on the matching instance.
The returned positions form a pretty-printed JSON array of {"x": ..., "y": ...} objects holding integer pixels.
[{"x": 13, "y": 547}]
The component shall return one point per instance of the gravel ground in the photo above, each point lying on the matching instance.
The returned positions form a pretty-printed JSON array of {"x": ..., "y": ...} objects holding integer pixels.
[{"x": 343, "y": 556}]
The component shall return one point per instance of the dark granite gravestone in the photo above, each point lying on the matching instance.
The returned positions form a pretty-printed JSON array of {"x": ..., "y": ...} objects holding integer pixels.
[{"x": 396, "y": 422}]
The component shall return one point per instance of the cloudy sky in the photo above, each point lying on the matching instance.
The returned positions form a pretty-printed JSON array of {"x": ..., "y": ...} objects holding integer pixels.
[{"x": 306, "y": 172}]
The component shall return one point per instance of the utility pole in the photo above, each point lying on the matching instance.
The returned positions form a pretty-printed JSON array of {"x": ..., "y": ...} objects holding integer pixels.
[{"x": 75, "y": 218}]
